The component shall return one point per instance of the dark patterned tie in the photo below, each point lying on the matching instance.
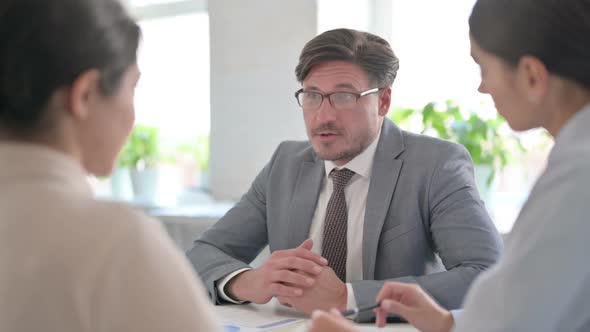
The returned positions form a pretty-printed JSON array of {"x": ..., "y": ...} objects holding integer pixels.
[{"x": 335, "y": 224}]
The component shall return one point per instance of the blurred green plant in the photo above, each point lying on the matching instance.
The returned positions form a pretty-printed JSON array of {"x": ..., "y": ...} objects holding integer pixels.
[
  {"x": 199, "y": 150},
  {"x": 141, "y": 149},
  {"x": 483, "y": 138}
]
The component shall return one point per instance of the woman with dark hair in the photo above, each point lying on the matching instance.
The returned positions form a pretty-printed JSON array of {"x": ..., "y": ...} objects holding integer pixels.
[
  {"x": 534, "y": 57},
  {"x": 69, "y": 262}
]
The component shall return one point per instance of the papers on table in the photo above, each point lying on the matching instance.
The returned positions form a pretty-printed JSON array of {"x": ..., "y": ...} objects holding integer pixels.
[{"x": 247, "y": 318}]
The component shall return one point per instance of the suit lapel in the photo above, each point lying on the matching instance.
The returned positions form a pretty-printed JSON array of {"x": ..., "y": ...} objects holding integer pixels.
[
  {"x": 305, "y": 198},
  {"x": 386, "y": 170}
]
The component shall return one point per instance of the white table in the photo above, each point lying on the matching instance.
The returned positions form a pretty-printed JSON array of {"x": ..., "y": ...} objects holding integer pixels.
[{"x": 254, "y": 315}]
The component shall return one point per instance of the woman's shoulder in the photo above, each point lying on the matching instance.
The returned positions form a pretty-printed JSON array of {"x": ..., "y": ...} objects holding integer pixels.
[
  {"x": 100, "y": 224},
  {"x": 107, "y": 214}
]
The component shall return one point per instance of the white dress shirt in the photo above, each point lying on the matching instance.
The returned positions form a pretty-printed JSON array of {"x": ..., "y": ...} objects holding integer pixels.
[{"x": 356, "y": 198}]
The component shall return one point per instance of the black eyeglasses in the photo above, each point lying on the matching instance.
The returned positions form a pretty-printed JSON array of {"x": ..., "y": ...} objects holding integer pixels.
[{"x": 309, "y": 100}]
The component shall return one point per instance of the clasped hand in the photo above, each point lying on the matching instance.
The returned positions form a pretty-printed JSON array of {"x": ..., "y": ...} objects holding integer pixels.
[{"x": 287, "y": 274}]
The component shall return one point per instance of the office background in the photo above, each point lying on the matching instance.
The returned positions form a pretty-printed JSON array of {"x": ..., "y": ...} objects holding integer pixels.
[{"x": 218, "y": 81}]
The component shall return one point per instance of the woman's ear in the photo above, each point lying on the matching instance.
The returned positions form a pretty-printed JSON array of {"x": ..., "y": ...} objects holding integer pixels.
[
  {"x": 84, "y": 93},
  {"x": 533, "y": 78}
]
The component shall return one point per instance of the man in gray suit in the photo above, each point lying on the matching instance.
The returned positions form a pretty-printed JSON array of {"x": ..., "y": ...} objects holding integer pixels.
[{"x": 362, "y": 202}]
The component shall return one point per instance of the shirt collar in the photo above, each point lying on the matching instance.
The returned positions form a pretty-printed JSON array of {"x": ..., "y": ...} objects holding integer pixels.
[
  {"x": 361, "y": 164},
  {"x": 25, "y": 162}
]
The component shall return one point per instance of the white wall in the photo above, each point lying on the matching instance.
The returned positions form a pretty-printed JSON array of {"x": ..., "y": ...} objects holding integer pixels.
[{"x": 254, "y": 50}]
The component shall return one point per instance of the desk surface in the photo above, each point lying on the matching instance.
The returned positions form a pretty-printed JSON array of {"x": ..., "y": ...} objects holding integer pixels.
[{"x": 254, "y": 315}]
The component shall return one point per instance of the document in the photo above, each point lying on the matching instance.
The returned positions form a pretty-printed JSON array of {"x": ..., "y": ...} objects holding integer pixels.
[
  {"x": 235, "y": 327},
  {"x": 251, "y": 318}
]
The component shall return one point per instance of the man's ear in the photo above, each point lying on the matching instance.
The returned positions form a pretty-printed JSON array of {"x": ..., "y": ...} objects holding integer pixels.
[
  {"x": 384, "y": 101},
  {"x": 533, "y": 78},
  {"x": 83, "y": 94}
]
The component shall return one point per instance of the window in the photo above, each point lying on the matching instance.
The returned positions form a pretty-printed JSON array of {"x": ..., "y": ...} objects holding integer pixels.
[
  {"x": 173, "y": 92},
  {"x": 172, "y": 96},
  {"x": 431, "y": 39}
]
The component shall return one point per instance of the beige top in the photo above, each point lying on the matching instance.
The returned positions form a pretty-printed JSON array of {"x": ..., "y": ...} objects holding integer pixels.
[{"x": 69, "y": 262}]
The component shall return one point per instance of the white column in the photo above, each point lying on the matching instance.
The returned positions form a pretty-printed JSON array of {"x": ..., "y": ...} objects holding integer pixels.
[
  {"x": 380, "y": 18},
  {"x": 255, "y": 46}
]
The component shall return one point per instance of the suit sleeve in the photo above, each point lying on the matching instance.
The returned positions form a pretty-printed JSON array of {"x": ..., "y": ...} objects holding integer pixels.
[
  {"x": 236, "y": 239},
  {"x": 461, "y": 232}
]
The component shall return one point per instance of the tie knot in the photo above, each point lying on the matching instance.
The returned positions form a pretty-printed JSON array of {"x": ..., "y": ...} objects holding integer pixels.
[{"x": 340, "y": 177}]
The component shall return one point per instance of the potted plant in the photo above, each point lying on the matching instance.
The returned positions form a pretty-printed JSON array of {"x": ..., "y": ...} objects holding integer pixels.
[
  {"x": 196, "y": 158},
  {"x": 202, "y": 155},
  {"x": 140, "y": 155},
  {"x": 121, "y": 188},
  {"x": 488, "y": 146}
]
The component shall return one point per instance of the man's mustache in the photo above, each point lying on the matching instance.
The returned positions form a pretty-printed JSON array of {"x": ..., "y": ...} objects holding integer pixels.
[{"x": 325, "y": 127}]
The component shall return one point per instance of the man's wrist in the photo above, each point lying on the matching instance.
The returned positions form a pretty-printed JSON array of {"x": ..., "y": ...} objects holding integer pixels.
[
  {"x": 222, "y": 283},
  {"x": 234, "y": 287}
]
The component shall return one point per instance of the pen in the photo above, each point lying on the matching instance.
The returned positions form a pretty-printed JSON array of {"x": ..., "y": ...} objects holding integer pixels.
[{"x": 354, "y": 311}]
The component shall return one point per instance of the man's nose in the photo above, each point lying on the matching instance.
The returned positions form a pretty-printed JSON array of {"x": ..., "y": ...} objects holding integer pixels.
[{"x": 326, "y": 112}]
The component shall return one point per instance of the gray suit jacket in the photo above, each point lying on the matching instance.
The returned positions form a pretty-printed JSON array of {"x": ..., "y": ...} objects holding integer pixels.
[{"x": 424, "y": 220}]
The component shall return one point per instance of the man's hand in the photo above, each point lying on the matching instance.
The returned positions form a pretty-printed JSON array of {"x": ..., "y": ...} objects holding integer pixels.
[
  {"x": 414, "y": 305},
  {"x": 326, "y": 293},
  {"x": 330, "y": 322},
  {"x": 285, "y": 273}
]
